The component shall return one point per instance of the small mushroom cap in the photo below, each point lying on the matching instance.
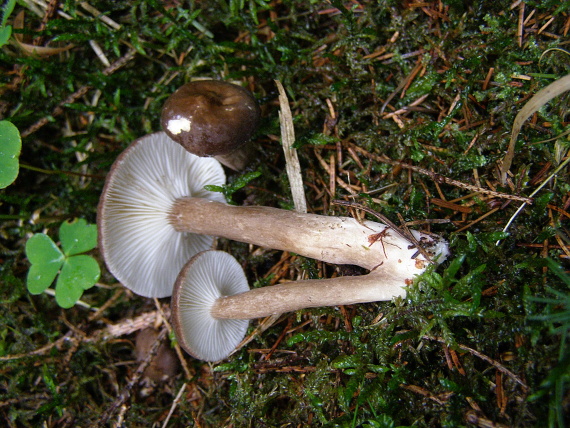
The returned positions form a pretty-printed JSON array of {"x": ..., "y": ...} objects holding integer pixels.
[
  {"x": 207, "y": 277},
  {"x": 140, "y": 247},
  {"x": 210, "y": 117}
]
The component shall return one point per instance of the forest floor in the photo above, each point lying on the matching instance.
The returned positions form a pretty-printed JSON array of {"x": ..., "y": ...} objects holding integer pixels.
[{"x": 403, "y": 107}]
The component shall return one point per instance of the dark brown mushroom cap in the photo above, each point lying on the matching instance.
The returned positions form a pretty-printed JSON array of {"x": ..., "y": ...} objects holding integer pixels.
[{"x": 210, "y": 117}]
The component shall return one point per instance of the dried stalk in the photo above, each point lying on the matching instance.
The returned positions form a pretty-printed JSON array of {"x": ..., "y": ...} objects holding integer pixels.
[
  {"x": 533, "y": 105},
  {"x": 291, "y": 158}
]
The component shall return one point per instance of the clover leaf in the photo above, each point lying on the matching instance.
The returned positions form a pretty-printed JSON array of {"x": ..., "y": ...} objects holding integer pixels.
[
  {"x": 77, "y": 272},
  {"x": 6, "y": 30},
  {"x": 10, "y": 147}
]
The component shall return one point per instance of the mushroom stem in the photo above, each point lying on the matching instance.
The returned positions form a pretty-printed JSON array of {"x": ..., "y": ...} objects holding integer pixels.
[
  {"x": 337, "y": 240},
  {"x": 239, "y": 158},
  {"x": 292, "y": 296}
]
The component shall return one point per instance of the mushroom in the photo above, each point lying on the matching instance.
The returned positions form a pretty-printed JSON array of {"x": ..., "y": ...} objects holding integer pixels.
[
  {"x": 139, "y": 207},
  {"x": 214, "y": 274},
  {"x": 140, "y": 247},
  {"x": 212, "y": 118},
  {"x": 211, "y": 302}
]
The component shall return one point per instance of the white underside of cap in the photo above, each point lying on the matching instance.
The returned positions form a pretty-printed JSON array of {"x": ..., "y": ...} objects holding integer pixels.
[
  {"x": 211, "y": 275},
  {"x": 141, "y": 249}
]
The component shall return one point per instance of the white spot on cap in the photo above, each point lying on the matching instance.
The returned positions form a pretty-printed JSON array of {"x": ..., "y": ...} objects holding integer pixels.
[{"x": 176, "y": 126}]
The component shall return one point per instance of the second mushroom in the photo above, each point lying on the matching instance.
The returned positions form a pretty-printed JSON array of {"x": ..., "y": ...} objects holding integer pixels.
[{"x": 212, "y": 303}]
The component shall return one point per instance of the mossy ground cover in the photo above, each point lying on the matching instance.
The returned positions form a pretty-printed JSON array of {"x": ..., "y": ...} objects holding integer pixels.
[{"x": 481, "y": 340}]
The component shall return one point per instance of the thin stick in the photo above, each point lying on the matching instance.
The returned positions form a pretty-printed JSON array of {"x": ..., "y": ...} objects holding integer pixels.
[
  {"x": 261, "y": 327},
  {"x": 413, "y": 238},
  {"x": 43, "y": 350},
  {"x": 562, "y": 165},
  {"x": 487, "y": 214},
  {"x": 177, "y": 349},
  {"x": 438, "y": 178},
  {"x": 520, "y": 26},
  {"x": 376, "y": 214},
  {"x": 128, "y": 326},
  {"x": 406, "y": 234},
  {"x": 107, "y": 304},
  {"x": 126, "y": 393},
  {"x": 494, "y": 363},
  {"x": 111, "y": 331},
  {"x": 174, "y": 404},
  {"x": 401, "y": 86}
]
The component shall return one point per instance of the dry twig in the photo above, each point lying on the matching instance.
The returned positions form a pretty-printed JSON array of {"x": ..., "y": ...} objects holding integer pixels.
[
  {"x": 494, "y": 363},
  {"x": 126, "y": 393},
  {"x": 438, "y": 178}
]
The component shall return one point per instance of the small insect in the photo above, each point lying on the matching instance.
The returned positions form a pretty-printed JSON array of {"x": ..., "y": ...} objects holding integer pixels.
[
  {"x": 406, "y": 234},
  {"x": 380, "y": 237}
]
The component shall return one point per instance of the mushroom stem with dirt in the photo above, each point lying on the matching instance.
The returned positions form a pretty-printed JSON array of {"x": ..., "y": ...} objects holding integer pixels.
[
  {"x": 213, "y": 118},
  {"x": 143, "y": 207},
  {"x": 337, "y": 240}
]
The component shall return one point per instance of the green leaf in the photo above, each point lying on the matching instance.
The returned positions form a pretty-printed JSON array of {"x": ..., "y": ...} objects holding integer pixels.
[
  {"x": 10, "y": 147},
  {"x": 558, "y": 271},
  {"x": 83, "y": 271},
  {"x": 40, "y": 277},
  {"x": 214, "y": 188},
  {"x": 40, "y": 249},
  {"x": 229, "y": 189},
  {"x": 347, "y": 361},
  {"x": 7, "y": 9},
  {"x": 400, "y": 337},
  {"x": 77, "y": 237},
  {"x": 242, "y": 181},
  {"x": 317, "y": 139},
  {"x": 46, "y": 260},
  {"x": 452, "y": 269},
  {"x": 78, "y": 274},
  {"x": 5, "y": 33},
  {"x": 66, "y": 294}
]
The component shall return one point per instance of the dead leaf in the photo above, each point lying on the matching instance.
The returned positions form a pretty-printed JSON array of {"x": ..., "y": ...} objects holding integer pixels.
[
  {"x": 32, "y": 50},
  {"x": 536, "y": 102}
]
